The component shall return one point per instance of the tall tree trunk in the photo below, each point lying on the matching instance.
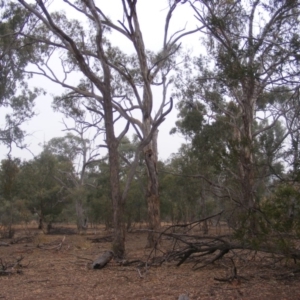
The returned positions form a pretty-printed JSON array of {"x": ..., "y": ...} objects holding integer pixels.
[
  {"x": 80, "y": 216},
  {"x": 247, "y": 164},
  {"x": 118, "y": 245},
  {"x": 153, "y": 201}
]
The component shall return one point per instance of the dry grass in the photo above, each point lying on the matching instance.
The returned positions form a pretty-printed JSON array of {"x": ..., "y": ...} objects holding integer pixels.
[{"x": 54, "y": 271}]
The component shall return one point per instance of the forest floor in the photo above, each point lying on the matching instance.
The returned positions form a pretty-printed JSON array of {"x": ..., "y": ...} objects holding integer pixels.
[{"x": 56, "y": 266}]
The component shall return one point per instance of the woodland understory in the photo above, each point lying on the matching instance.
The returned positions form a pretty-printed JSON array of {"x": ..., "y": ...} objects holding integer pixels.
[{"x": 44, "y": 263}]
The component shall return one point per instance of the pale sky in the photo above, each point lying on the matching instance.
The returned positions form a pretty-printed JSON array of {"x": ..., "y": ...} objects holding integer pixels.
[{"x": 48, "y": 124}]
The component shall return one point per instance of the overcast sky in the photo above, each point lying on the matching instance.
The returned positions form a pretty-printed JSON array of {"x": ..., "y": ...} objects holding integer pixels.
[{"x": 48, "y": 124}]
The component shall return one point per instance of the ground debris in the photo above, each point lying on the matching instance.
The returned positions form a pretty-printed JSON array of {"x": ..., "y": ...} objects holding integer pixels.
[
  {"x": 288, "y": 275},
  {"x": 184, "y": 297},
  {"x": 103, "y": 260},
  {"x": 103, "y": 239},
  {"x": 56, "y": 245},
  {"x": 26, "y": 239},
  {"x": 55, "y": 274},
  {"x": 4, "y": 244},
  {"x": 10, "y": 268}
]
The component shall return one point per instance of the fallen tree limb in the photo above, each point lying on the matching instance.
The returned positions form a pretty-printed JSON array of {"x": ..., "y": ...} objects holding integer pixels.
[
  {"x": 55, "y": 247},
  {"x": 103, "y": 239},
  {"x": 203, "y": 250},
  {"x": 22, "y": 239}
]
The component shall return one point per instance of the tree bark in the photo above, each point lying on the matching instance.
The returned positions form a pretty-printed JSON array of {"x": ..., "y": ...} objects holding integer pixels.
[
  {"x": 81, "y": 226},
  {"x": 247, "y": 172},
  {"x": 153, "y": 201},
  {"x": 118, "y": 245}
]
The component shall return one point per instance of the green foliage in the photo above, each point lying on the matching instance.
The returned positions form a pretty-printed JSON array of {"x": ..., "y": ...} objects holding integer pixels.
[
  {"x": 8, "y": 195},
  {"x": 68, "y": 147},
  {"x": 184, "y": 196},
  {"x": 99, "y": 206},
  {"x": 41, "y": 190},
  {"x": 15, "y": 54},
  {"x": 282, "y": 209}
]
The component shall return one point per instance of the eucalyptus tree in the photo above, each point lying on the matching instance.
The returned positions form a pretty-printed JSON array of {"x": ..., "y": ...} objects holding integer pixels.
[
  {"x": 78, "y": 150},
  {"x": 292, "y": 123},
  {"x": 9, "y": 170},
  {"x": 211, "y": 150},
  {"x": 16, "y": 100},
  {"x": 84, "y": 46},
  {"x": 251, "y": 48},
  {"x": 41, "y": 191}
]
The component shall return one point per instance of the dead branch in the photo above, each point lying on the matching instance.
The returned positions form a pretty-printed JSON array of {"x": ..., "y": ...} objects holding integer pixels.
[
  {"x": 55, "y": 247},
  {"x": 7, "y": 269},
  {"x": 4, "y": 244},
  {"x": 22, "y": 239},
  {"x": 233, "y": 278},
  {"x": 291, "y": 274},
  {"x": 203, "y": 250},
  {"x": 102, "y": 239},
  {"x": 84, "y": 258},
  {"x": 137, "y": 262},
  {"x": 191, "y": 225}
]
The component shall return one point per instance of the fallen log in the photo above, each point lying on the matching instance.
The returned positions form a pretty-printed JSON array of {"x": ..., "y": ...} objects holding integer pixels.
[
  {"x": 4, "y": 244},
  {"x": 103, "y": 260}
]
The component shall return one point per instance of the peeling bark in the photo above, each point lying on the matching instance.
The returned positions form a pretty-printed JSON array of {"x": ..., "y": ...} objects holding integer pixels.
[{"x": 153, "y": 201}]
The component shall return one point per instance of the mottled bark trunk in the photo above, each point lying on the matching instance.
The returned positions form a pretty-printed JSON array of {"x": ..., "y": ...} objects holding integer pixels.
[
  {"x": 248, "y": 204},
  {"x": 152, "y": 196},
  {"x": 41, "y": 220},
  {"x": 118, "y": 205},
  {"x": 118, "y": 245},
  {"x": 81, "y": 220},
  {"x": 247, "y": 171}
]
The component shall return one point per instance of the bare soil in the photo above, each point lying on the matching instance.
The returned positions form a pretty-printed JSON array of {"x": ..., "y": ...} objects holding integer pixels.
[{"x": 56, "y": 266}]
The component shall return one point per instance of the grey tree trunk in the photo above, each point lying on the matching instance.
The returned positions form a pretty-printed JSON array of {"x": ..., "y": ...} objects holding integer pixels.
[
  {"x": 81, "y": 223},
  {"x": 152, "y": 195},
  {"x": 118, "y": 245}
]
